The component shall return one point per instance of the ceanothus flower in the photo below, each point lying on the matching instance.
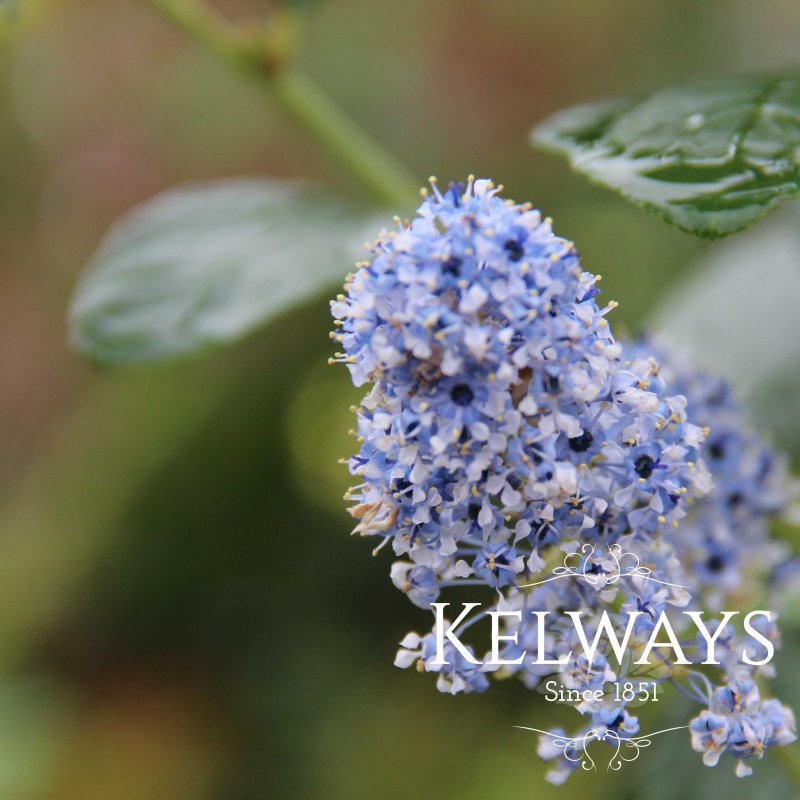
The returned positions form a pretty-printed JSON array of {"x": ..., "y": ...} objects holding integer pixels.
[
  {"x": 419, "y": 583},
  {"x": 457, "y": 675},
  {"x": 738, "y": 722},
  {"x": 726, "y": 536},
  {"x": 616, "y": 719},
  {"x": 499, "y": 417},
  {"x": 506, "y": 434}
]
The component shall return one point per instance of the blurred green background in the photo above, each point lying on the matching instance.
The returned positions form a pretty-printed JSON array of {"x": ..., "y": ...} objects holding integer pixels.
[{"x": 182, "y": 612}]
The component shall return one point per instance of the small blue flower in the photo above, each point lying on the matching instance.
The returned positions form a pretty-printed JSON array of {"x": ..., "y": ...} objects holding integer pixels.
[
  {"x": 456, "y": 675},
  {"x": 419, "y": 583},
  {"x": 740, "y": 724},
  {"x": 580, "y": 673},
  {"x": 710, "y": 736},
  {"x": 739, "y": 696},
  {"x": 617, "y": 720},
  {"x": 495, "y": 564}
]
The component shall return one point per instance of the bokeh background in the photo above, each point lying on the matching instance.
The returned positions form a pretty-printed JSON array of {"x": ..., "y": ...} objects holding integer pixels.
[{"x": 182, "y": 613}]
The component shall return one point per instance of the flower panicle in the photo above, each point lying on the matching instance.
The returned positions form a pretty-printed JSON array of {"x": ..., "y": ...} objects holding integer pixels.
[{"x": 504, "y": 424}]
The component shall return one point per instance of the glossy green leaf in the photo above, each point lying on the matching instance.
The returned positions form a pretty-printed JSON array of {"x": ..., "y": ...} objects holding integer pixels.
[
  {"x": 709, "y": 157},
  {"x": 205, "y": 264}
]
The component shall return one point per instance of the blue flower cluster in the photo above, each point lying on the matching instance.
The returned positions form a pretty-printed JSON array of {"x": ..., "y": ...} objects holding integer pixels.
[
  {"x": 721, "y": 549},
  {"x": 740, "y": 723},
  {"x": 500, "y": 420},
  {"x": 726, "y": 539},
  {"x": 505, "y": 430}
]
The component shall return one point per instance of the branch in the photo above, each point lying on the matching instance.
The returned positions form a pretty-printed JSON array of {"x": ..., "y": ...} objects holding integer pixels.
[{"x": 265, "y": 60}]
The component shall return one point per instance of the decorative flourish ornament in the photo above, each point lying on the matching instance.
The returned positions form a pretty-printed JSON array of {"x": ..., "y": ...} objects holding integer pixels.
[
  {"x": 587, "y": 569},
  {"x": 575, "y": 750}
]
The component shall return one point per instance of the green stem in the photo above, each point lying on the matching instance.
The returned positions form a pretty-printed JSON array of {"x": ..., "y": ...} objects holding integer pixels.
[
  {"x": 360, "y": 153},
  {"x": 263, "y": 59}
]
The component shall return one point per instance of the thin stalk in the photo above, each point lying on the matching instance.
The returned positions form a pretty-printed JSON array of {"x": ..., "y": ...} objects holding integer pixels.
[
  {"x": 367, "y": 160},
  {"x": 263, "y": 58}
]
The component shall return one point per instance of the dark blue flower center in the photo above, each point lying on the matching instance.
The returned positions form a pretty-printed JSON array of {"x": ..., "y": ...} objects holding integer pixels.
[
  {"x": 401, "y": 485},
  {"x": 644, "y": 466},
  {"x": 715, "y": 563},
  {"x": 580, "y": 444},
  {"x": 462, "y": 395},
  {"x": 452, "y": 266},
  {"x": 716, "y": 450},
  {"x": 514, "y": 249}
]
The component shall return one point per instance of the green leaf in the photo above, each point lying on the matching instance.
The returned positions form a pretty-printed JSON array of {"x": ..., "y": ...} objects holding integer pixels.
[
  {"x": 204, "y": 264},
  {"x": 710, "y": 157}
]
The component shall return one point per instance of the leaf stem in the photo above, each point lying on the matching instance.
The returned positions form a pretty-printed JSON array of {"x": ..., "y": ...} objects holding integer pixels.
[{"x": 264, "y": 58}]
